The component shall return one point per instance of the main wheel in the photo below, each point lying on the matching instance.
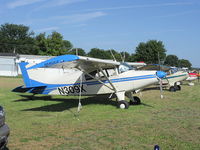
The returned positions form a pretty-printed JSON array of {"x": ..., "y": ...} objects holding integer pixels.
[
  {"x": 136, "y": 101},
  {"x": 172, "y": 89},
  {"x": 178, "y": 87},
  {"x": 123, "y": 104}
]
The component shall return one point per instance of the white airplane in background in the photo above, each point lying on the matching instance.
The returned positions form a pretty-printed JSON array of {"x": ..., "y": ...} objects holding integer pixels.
[
  {"x": 86, "y": 76},
  {"x": 192, "y": 76},
  {"x": 173, "y": 78}
]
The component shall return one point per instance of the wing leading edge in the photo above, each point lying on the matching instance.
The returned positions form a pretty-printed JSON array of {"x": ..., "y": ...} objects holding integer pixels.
[
  {"x": 80, "y": 62},
  {"x": 73, "y": 61}
]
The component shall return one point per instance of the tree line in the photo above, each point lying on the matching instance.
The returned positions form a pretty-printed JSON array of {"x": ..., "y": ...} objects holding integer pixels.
[{"x": 19, "y": 39}]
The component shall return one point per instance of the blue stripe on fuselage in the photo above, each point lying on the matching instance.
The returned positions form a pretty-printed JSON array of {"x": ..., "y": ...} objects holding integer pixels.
[
  {"x": 176, "y": 76},
  {"x": 51, "y": 87}
]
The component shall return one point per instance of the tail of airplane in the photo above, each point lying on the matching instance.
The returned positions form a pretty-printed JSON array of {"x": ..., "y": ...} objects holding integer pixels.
[
  {"x": 25, "y": 74},
  {"x": 39, "y": 78},
  {"x": 31, "y": 86},
  {"x": 27, "y": 80}
]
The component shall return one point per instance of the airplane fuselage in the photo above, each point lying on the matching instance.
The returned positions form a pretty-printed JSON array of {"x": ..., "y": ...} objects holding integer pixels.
[
  {"x": 175, "y": 77},
  {"x": 72, "y": 82}
]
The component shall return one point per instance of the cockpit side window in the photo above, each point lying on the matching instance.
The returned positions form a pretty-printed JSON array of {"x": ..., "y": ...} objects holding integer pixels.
[
  {"x": 174, "y": 70},
  {"x": 93, "y": 73},
  {"x": 123, "y": 67},
  {"x": 99, "y": 75}
]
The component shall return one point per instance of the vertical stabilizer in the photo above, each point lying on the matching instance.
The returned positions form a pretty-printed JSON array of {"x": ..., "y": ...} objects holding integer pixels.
[
  {"x": 27, "y": 80},
  {"x": 25, "y": 75}
]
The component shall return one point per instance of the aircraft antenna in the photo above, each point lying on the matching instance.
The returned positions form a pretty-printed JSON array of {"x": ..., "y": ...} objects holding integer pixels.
[
  {"x": 70, "y": 50},
  {"x": 124, "y": 57},
  {"x": 76, "y": 51},
  {"x": 112, "y": 55},
  {"x": 121, "y": 57}
]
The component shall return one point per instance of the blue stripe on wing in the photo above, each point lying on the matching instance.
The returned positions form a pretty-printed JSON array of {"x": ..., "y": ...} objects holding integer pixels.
[{"x": 54, "y": 61}]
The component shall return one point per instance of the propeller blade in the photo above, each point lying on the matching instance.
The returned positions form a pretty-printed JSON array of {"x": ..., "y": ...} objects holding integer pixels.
[
  {"x": 161, "y": 90},
  {"x": 160, "y": 76}
]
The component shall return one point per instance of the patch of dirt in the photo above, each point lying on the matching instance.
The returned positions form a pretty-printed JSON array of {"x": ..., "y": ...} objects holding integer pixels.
[{"x": 10, "y": 82}]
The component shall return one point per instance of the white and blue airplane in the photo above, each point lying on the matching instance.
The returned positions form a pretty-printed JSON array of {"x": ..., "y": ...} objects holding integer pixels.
[
  {"x": 174, "y": 76},
  {"x": 79, "y": 75}
]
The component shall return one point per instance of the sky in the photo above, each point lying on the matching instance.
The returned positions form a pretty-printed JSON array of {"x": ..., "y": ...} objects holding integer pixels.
[{"x": 113, "y": 24}]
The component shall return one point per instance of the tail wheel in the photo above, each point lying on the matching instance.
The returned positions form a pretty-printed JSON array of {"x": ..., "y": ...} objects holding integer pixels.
[
  {"x": 123, "y": 104},
  {"x": 172, "y": 89},
  {"x": 136, "y": 101}
]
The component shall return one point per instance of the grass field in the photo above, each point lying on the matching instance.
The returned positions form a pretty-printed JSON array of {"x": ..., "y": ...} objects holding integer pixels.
[{"x": 53, "y": 122}]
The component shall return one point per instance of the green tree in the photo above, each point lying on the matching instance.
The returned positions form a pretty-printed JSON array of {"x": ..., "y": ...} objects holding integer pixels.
[
  {"x": 99, "y": 53},
  {"x": 184, "y": 63},
  {"x": 117, "y": 55},
  {"x": 150, "y": 52},
  {"x": 41, "y": 43},
  {"x": 128, "y": 57},
  {"x": 53, "y": 44},
  {"x": 80, "y": 51},
  {"x": 67, "y": 45},
  {"x": 56, "y": 45},
  {"x": 171, "y": 60},
  {"x": 17, "y": 38}
]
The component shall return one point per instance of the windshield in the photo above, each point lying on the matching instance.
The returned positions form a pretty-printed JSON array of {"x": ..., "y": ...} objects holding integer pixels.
[
  {"x": 174, "y": 70},
  {"x": 123, "y": 67}
]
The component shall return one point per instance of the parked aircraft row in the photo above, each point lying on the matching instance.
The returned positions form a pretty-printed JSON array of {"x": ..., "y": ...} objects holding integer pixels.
[{"x": 79, "y": 75}]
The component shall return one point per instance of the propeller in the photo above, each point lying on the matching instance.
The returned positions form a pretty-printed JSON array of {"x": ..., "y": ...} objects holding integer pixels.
[
  {"x": 161, "y": 90},
  {"x": 160, "y": 75}
]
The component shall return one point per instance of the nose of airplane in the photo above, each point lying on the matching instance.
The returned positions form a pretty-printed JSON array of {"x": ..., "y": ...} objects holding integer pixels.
[{"x": 161, "y": 74}]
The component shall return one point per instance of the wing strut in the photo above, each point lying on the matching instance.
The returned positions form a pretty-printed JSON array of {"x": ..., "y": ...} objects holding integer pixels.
[
  {"x": 108, "y": 80},
  {"x": 96, "y": 79}
]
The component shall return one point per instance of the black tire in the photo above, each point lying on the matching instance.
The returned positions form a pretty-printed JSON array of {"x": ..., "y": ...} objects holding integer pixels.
[
  {"x": 136, "y": 101},
  {"x": 172, "y": 89},
  {"x": 123, "y": 104},
  {"x": 178, "y": 87}
]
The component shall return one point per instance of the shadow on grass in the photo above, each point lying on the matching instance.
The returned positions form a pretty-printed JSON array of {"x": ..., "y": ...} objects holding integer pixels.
[
  {"x": 147, "y": 105},
  {"x": 155, "y": 88},
  {"x": 66, "y": 103},
  {"x": 5, "y": 148},
  {"x": 26, "y": 98}
]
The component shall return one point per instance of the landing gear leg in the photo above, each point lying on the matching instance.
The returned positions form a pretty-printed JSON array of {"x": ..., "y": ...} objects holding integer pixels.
[{"x": 121, "y": 100}]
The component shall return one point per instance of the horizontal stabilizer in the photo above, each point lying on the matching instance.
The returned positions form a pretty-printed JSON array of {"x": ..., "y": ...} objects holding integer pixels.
[{"x": 35, "y": 90}]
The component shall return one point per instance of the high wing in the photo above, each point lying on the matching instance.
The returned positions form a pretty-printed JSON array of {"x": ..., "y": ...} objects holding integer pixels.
[
  {"x": 73, "y": 61},
  {"x": 79, "y": 62},
  {"x": 89, "y": 64}
]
